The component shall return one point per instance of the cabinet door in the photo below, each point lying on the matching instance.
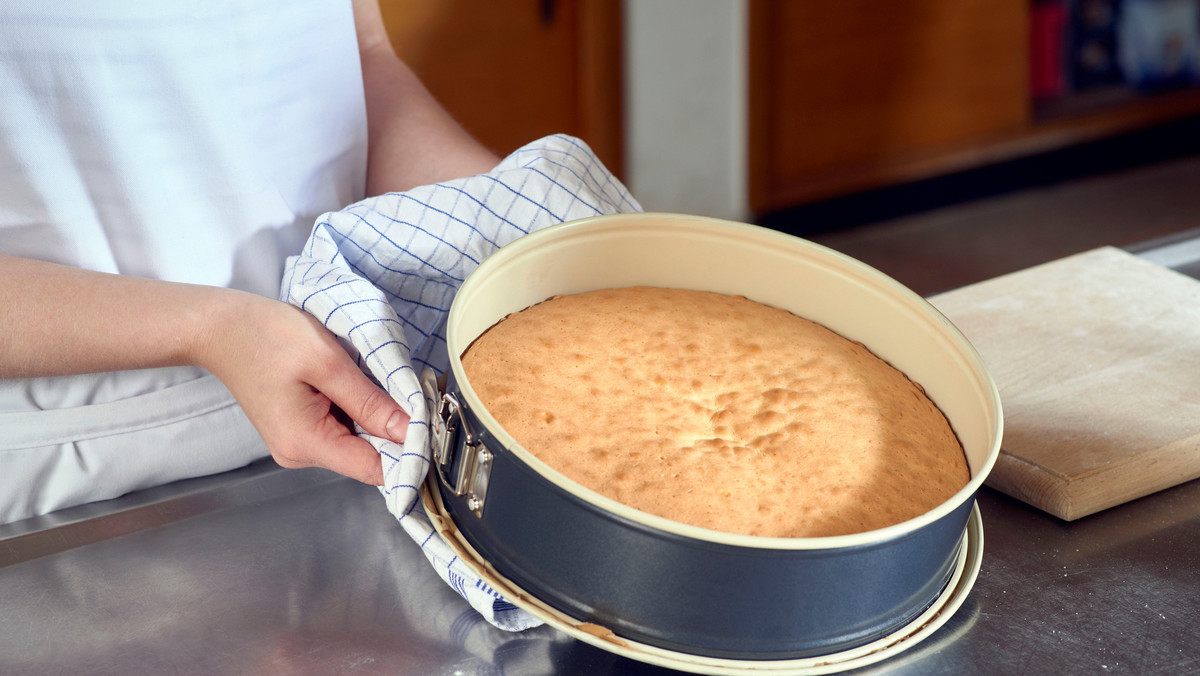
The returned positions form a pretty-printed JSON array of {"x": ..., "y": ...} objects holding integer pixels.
[
  {"x": 512, "y": 71},
  {"x": 854, "y": 94}
]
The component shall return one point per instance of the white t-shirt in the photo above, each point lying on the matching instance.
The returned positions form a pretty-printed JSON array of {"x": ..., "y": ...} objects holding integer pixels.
[{"x": 183, "y": 140}]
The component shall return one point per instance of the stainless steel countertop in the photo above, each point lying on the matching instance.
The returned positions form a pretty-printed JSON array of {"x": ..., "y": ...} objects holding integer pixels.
[{"x": 265, "y": 571}]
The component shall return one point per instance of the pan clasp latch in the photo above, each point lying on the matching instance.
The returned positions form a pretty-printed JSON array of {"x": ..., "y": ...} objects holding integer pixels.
[{"x": 474, "y": 466}]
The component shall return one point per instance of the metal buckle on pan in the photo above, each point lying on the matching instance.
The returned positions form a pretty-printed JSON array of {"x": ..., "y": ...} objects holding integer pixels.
[{"x": 474, "y": 468}]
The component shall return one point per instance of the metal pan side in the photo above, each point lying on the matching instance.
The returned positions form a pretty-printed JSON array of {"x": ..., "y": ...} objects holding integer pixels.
[
  {"x": 700, "y": 596},
  {"x": 761, "y": 598}
]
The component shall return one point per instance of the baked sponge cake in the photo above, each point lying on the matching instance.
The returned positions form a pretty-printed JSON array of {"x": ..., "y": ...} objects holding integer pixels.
[{"x": 716, "y": 411}]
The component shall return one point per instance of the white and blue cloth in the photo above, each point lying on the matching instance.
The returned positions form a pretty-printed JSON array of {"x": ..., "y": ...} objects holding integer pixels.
[{"x": 381, "y": 274}]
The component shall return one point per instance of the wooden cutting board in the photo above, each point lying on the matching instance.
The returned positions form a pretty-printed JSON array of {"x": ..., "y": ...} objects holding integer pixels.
[{"x": 1097, "y": 359}]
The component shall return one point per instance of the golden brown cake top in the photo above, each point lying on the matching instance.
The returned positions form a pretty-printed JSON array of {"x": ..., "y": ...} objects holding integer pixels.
[{"x": 716, "y": 411}]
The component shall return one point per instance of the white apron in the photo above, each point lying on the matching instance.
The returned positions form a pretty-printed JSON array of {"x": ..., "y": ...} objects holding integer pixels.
[{"x": 183, "y": 140}]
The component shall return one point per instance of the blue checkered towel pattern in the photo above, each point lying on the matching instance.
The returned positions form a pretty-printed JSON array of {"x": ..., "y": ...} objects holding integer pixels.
[{"x": 381, "y": 275}]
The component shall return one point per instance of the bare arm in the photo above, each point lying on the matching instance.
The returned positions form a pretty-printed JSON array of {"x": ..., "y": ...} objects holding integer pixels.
[
  {"x": 283, "y": 366},
  {"x": 412, "y": 139}
]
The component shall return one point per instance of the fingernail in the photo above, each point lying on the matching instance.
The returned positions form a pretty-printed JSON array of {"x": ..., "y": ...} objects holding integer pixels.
[{"x": 397, "y": 426}]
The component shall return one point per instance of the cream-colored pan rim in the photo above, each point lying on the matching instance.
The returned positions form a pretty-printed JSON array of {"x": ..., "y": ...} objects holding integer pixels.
[
  {"x": 968, "y": 562},
  {"x": 548, "y": 255}
]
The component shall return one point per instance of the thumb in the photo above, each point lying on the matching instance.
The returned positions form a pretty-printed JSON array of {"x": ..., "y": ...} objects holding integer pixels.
[{"x": 366, "y": 404}]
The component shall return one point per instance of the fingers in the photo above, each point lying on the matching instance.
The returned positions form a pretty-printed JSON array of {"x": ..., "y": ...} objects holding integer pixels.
[
  {"x": 369, "y": 406},
  {"x": 332, "y": 446},
  {"x": 339, "y": 383},
  {"x": 355, "y": 458},
  {"x": 341, "y": 450}
]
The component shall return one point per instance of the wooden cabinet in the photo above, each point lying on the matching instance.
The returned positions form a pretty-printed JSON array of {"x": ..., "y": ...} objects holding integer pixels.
[
  {"x": 516, "y": 70},
  {"x": 844, "y": 95},
  {"x": 859, "y": 94}
]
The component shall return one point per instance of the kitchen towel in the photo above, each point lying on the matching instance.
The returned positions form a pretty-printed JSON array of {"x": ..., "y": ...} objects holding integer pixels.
[{"x": 382, "y": 273}]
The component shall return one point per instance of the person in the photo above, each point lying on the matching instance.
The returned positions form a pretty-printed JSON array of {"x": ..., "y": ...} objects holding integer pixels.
[{"x": 158, "y": 162}]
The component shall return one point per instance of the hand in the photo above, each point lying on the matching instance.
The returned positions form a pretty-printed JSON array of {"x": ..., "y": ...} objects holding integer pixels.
[{"x": 293, "y": 378}]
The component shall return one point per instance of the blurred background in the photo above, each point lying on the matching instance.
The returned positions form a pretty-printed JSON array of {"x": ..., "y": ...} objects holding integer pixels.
[{"x": 942, "y": 141}]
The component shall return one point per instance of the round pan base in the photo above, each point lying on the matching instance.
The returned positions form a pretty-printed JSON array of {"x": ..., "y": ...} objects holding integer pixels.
[{"x": 966, "y": 569}]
